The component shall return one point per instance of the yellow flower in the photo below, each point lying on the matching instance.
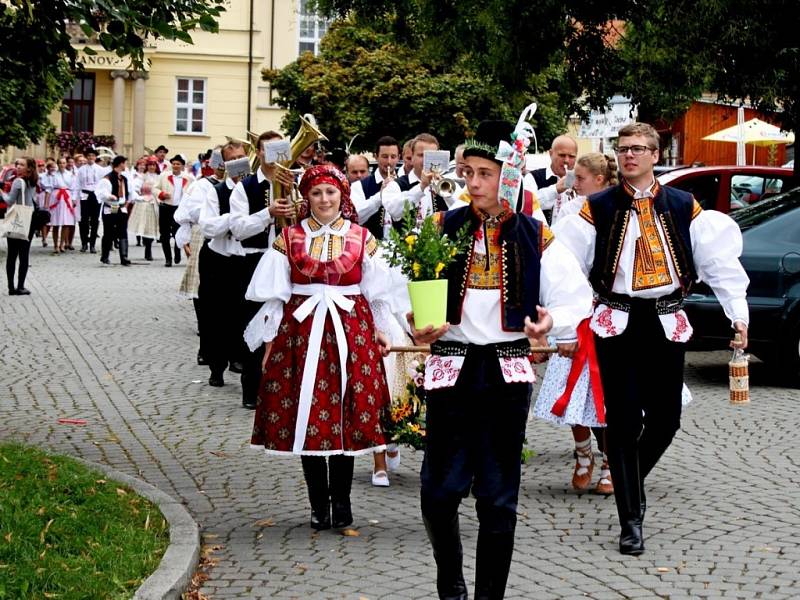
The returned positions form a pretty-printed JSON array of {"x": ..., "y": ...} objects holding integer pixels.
[
  {"x": 416, "y": 267},
  {"x": 438, "y": 269},
  {"x": 453, "y": 252},
  {"x": 411, "y": 240}
]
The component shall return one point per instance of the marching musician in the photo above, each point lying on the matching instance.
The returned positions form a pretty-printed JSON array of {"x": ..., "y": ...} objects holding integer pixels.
[
  {"x": 253, "y": 212},
  {"x": 371, "y": 194}
]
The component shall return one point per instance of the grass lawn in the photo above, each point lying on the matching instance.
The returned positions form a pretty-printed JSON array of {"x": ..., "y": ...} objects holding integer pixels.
[{"x": 67, "y": 532}]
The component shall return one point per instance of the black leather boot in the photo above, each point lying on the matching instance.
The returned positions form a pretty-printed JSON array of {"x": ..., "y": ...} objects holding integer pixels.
[
  {"x": 341, "y": 470},
  {"x": 123, "y": 252},
  {"x": 148, "y": 249},
  {"x": 105, "y": 250},
  {"x": 315, "y": 471},
  {"x": 446, "y": 543},
  {"x": 492, "y": 564},
  {"x": 629, "y": 498},
  {"x": 165, "y": 247},
  {"x": 177, "y": 255}
]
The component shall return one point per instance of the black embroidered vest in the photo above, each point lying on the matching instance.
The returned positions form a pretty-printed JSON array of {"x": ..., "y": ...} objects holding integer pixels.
[
  {"x": 520, "y": 240},
  {"x": 257, "y": 197},
  {"x": 611, "y": 212}
]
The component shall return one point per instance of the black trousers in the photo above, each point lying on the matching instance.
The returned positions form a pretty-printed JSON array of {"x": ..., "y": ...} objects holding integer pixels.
[
  {"x": 90, "y": 220},
  {"x": 168, "y": 227},
  {"x": 220, "y": 338},
  {"x": 251, "y": 363},
  {"x": 18, "y": 250},
  {"x": 642, "y": 374},
  {"x": 115, "y": 228}
]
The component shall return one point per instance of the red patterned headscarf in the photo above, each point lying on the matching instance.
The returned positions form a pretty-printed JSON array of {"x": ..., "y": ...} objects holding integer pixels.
[{"x": 333, "y": 176}]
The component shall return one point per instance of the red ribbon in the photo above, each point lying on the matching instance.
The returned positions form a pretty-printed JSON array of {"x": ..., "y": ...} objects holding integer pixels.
[
  {"x": 586, "y": 352},
  {"x": 63, "y": 194}
]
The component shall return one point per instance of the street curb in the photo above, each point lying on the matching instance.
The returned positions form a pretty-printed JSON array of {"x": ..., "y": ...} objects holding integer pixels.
[{"x": 180, "y": 560}]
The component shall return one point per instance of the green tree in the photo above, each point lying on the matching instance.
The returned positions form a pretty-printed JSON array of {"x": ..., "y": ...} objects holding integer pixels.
[
  {"x": 371, "y": 78},
  {"x": 38, "y": 62}
]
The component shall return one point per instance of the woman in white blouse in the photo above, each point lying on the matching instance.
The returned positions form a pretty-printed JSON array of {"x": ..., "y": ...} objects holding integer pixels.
[{"x": 326, "y": 295}]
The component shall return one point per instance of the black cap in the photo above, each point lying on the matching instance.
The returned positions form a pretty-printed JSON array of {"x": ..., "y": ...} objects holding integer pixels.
[
  {"x": 160, "y": 148},
  {"x": 179, "y": 158},
  {"x": 487, "y": 139}
]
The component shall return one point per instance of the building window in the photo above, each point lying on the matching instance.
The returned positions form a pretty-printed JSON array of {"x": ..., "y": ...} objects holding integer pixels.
[
  {"x": 311, "y": 29},
  {"x": 190, "y": 106},
  {"x": 79, "y": 104}
]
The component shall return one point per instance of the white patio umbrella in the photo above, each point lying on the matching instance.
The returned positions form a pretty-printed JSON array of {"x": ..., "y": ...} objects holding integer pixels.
[{"x": 755, "y": 132}]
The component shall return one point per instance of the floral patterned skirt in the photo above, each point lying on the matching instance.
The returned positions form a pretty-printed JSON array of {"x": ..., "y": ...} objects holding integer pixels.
[{"x": 348, "y": 422}]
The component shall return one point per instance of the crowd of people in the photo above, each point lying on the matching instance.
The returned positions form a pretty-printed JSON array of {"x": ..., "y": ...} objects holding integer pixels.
[{"x": 589, "y": 254}]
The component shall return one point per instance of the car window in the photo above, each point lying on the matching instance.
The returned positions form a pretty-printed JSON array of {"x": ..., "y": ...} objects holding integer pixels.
[
  {"x": 705, "y": 189},
  {"x": 767, "y": 209},
  {"x": 746, "y": 190}
]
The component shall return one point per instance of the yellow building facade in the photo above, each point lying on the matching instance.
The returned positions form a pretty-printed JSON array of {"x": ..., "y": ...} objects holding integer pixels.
[{"x": 188, "y": 97}]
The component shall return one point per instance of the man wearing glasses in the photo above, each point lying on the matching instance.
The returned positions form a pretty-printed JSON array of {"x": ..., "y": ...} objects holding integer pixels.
[{"x": 642, "y": 246}]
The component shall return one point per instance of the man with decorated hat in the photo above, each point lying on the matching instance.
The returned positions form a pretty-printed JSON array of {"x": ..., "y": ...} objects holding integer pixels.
[{"x": 516, "y": 283}]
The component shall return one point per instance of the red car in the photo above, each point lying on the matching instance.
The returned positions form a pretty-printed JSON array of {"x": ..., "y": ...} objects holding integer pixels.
[{"x": 729, "y": 188}]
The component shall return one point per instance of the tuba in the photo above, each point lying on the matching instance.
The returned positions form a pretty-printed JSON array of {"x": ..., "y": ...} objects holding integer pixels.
[{"x": 307, "y": 134}]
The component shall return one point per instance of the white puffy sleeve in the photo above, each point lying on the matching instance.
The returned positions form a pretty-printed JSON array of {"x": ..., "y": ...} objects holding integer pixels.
[
  {"x": 716, "y": 247},
  {"x": 577, "y": 233},
  {"x": 563, "y": 291},
  {"x": 272, "y": 286},
  {"x": 376, "y": 285}
]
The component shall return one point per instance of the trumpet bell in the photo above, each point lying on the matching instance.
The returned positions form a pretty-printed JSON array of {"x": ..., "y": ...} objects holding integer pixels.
[{"x": 444, "y": 187}]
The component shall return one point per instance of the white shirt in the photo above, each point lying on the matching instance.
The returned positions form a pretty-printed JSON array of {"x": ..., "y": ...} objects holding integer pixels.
[
  {"x": 547, "y": 195},
  {"x": 243, "y": 224},
  {"x": 88, "y": 177},
  {"x": 422, "y": 199},
  {"x": 188, "y": 211},
  {"x": 367, "y": 207},
  {"x": 103, "y": 193},
  {"x": 716, "y": 246},
  {"x": 217, "y": 226}
]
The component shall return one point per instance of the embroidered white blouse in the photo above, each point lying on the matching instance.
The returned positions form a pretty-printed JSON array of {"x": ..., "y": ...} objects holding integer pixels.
[{"x": 271, "y": 282}]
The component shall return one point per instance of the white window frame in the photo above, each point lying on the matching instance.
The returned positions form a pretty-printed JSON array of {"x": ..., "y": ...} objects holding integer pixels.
[
  {"x": 190, "y": 106},
  {"x": 316, "y": 18}
]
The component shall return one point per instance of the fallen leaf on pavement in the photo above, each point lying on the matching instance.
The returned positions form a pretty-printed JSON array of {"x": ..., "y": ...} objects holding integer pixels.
[
  {"x": 663, "y": 569},
  {"x": 220, "y": 454},
  {"x": 264, "y": 523},
  {"x": 350, "y": 532}
]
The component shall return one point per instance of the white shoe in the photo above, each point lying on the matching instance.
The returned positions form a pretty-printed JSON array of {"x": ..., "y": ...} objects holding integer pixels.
[
  {"x": 380, "y": 479},
  {"x": 393, "y": 462}
]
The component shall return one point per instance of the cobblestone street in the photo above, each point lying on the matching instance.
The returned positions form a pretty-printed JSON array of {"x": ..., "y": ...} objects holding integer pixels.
[{"x": 116, "y": 346}]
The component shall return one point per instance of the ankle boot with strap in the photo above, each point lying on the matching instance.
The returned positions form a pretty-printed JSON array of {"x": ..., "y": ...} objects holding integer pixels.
[
  {"x": 315, "y": 471},
  {"x": 445, "y": 539},
  {"x": 492, "y": 564},
  {"x": 123, "y": 252}
]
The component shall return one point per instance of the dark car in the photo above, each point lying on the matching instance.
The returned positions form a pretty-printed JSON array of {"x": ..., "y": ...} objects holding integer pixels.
[
  {"x": 729, "y": 188},
  {"x": 771, "y": 257}
]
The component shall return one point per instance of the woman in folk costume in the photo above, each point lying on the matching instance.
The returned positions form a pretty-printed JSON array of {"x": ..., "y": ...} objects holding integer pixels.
[
  {"x": 478, "y": 375},
  {"x": 571, "y": 392},
  {"x": 327, "y": 299},
  {"x": 144, "y": 220},
  {"x": 62, "y": 206}
]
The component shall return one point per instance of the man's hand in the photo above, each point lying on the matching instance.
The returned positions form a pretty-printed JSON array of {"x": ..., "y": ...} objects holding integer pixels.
[
  {"x": 284, "y": 177},
  {"x": 542, "y": 325},
  {"x": 281, "y": 208},
  {"x": 567, "y": 350},
  {"x": 561, "y": 184},
  {"x": 425, "y": 179},
  {"x": 741, "y": 329},
  {"x": 267, "y": 350},
  {"x": 427, "y": 335},
  {"x": 187, "y": 249},
  {"x": 384, "y": 345}
]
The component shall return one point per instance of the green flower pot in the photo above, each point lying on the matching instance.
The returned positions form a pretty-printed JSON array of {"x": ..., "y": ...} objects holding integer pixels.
[{"x": 429, "y": 302}]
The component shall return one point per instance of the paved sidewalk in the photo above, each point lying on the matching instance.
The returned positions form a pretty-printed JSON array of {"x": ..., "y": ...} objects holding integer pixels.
[{"x": 116, "y": 346}]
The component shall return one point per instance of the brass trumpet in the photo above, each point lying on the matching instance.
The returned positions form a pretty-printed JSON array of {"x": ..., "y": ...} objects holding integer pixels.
[{"x": 441, "y": 185}]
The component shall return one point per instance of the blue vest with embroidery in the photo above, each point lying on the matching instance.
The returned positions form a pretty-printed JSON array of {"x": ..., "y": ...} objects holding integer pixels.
[
  {"x": 611, "y": 211},
  {"x": 520, "y": 241}
]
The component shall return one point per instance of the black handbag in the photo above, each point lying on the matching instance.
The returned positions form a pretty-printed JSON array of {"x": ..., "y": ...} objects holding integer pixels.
[{"x": 40, "y": 218}]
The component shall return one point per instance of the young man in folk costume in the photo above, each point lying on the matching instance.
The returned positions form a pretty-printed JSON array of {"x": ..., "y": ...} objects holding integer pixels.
[
  {"x": 115, "y": 194},
  {"x": 496, "y": 291},
  {"x": 643, "y": 246},
  {"x": 170, "y": 190}
]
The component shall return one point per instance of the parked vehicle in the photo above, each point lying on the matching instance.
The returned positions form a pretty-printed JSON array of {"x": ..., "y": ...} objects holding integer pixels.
[
  {"x": 771, "y": 257},
  {"x": 729, "y": 188}
]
